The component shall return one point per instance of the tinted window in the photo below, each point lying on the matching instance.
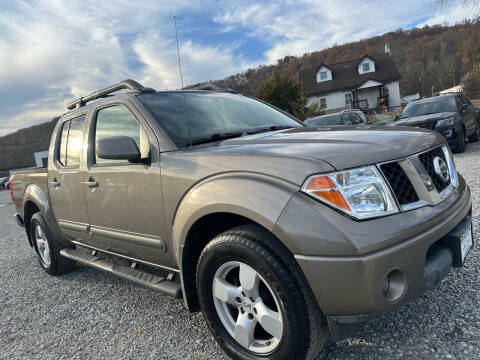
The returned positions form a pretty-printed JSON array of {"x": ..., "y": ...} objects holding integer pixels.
[
  {"x": 62, "y": 149},
  {"x": 439, "y": 105},
  {"x": 324, "y": 120},
  {"x": 345, "y": 119},
  {"x": 71, "y": 142},
  {"x": 118, "y": 120},
  {"x": 211, "y": 113},
  {"x": 465, "y": 100},
  {"x": 75, "y": 141},
  {"x": 355, "y": 118}
]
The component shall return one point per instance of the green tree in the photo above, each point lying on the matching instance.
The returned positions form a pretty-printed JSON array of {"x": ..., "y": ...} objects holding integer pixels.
[{"x": 288, "y": 96}]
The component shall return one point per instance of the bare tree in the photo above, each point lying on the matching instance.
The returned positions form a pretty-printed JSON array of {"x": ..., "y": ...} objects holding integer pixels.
[{"x": 473, "y": 5}]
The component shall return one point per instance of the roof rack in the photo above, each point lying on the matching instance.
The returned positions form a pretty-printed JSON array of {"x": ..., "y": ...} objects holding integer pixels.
[
  {"x": 129, "y": 84},
  {"x": 212, "y": 86}
]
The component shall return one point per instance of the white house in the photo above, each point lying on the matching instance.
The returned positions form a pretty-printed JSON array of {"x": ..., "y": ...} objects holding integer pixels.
[{"x": 370, "y": 82}]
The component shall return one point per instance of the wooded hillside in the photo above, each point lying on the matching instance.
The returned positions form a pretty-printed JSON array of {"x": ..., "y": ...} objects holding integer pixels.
[
  {"x": 16, "y": 150},
  {"x": 437, "y": 56}
]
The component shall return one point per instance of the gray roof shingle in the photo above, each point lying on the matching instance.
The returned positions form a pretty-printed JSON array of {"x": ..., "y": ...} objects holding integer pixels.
[{"x": 346, "y": 77}]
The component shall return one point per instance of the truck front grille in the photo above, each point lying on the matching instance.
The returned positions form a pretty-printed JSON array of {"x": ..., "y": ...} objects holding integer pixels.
[
  {"x": 399, "y": 182},
  {"x": 427, "y": 162},
  {"x": 415, "y": 182}
]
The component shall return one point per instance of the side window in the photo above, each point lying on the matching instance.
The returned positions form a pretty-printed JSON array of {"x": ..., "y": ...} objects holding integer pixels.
[
  {"x": 323, "y": 103},
  {"x": 355, "y": 118},
  {"x": 118, "y": 120},
  {"x": 345, "y": 120},
  {"x": 75, "y": 142},
  {"x": 465, "y": 100},
  {"x": 62, "y": 149},
  {"x": 71, "y": 142}
]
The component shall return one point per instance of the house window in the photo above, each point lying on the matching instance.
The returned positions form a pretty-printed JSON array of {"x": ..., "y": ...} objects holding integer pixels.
[
  {"x": 323, "y": 103},
  {"x": 366, "y": 67},
  {"x": 348, "y": 99},
  {"x": 323, "y": 75}
]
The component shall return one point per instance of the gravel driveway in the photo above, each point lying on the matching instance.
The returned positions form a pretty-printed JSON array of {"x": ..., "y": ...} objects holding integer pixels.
[{"x": 88, "y": 314}]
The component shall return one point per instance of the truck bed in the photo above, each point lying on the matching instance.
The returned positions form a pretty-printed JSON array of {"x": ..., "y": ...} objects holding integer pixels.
[{"x": 21, "y": 179}]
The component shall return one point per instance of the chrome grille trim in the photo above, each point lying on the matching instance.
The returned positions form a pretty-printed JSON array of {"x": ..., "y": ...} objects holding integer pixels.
[{"x": 416, "y": 173}]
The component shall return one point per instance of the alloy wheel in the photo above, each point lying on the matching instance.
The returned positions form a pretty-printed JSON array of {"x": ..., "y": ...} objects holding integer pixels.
[
  {"x": 42, "y": 245},
  {"x": 248, "y": 307}
]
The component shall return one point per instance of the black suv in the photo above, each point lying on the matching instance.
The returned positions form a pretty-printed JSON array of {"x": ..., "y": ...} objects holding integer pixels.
[{"x": 452, "y": 115}]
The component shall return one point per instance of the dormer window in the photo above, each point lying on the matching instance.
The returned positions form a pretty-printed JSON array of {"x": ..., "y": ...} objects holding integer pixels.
[
  {"x": 366, "y": 67},
  {"x": 324, "y": 74}
]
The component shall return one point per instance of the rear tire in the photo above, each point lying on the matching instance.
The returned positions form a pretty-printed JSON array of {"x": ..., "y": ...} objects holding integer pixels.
[
  {"x": 475, "y": 136},
  {"x": 294, "y": 328},
  {"x": 47, "y": 249}
]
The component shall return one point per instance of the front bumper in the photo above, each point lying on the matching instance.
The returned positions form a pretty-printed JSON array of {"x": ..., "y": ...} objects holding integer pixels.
[{"x": 348, "y": 286}]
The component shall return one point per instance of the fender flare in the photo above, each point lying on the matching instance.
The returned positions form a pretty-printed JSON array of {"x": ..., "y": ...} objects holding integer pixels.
[
  {"x": 34, "y": 194},
  {"x": 258, "y": 197}
]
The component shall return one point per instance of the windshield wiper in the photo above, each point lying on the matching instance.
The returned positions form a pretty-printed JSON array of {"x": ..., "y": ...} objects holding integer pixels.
[
  {"x": 218, "y": 137},
  {"x": 270, "y": 128}
]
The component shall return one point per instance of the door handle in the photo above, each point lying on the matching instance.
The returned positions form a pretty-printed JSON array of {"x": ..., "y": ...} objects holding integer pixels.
[
  {"x": 91, "y": 183},
  {"x": 55, "y": 183}
]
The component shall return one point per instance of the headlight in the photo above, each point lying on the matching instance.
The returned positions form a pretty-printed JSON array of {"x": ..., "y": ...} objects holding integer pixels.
[
  {"x": 361, "y": 193},
  {"x": 445, "y": 122}
]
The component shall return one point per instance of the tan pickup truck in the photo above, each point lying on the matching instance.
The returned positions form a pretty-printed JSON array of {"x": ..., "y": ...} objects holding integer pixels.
[{"x": 284, "y": 236}]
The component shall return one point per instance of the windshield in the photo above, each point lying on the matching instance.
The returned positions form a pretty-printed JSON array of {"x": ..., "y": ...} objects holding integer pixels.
[
  {"x": 324, "y": 120},
  {"x": 211, "y": 115},
  {"x": 431, "y": 107}
]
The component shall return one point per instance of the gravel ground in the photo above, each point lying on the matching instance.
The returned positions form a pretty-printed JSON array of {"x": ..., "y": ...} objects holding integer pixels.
[{"x": 88, "y": 314}]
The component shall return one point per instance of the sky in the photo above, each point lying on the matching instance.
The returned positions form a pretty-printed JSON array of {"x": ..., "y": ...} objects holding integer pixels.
[{"x": 53, "y": 51}]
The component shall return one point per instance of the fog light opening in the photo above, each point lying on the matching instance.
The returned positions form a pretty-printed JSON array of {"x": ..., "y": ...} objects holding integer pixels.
[{"x": 393, "y": 285}]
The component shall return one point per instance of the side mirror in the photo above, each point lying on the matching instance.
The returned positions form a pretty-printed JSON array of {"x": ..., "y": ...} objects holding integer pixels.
[
  {"x": 117, "y": 148},
  {"x": 395, "y": 118}
]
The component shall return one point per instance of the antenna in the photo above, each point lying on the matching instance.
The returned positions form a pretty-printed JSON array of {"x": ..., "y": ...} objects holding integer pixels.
[{"x": 183, "y": 88}]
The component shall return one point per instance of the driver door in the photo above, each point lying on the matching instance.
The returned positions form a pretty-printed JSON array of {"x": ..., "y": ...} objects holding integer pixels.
[{"x": 124, "y": 199}]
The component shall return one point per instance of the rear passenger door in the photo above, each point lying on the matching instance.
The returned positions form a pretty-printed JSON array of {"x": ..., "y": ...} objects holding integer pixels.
[
  {"x": 125, "y": 202},
  {"x": 65, "y": 180}
]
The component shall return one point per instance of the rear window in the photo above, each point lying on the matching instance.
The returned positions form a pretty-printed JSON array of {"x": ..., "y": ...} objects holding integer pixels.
[
  {"x": 62, "y": 149},
  {"x": 71, "y": 142}
]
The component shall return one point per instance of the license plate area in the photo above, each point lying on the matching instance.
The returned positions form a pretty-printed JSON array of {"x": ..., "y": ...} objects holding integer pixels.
[{"x": 460, "y": 241}]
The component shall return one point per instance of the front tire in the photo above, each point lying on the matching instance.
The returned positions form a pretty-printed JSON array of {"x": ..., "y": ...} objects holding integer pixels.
[
  {"x": 47, "y": 249},
  {"x": 475, "y": 136},
  {"x": 461, "y": 140},
  {"x": 255, "y": 299}
]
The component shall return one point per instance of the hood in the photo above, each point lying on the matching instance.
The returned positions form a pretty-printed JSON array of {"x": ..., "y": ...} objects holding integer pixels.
[
  {"x": 341, "y": 147},
  {"x": 417, "y": 120}
]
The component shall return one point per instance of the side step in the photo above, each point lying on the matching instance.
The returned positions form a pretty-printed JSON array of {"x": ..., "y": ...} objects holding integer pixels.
[{"x": 151, "y": 281}]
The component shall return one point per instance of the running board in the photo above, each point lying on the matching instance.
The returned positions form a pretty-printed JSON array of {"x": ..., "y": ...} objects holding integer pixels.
[{"x": 151, "y": 281}]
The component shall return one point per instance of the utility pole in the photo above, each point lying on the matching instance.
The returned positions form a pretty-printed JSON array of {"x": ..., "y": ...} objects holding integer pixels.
[
  {"x": 419, "y": 87},
  {"x": 453, "y": 73}
]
